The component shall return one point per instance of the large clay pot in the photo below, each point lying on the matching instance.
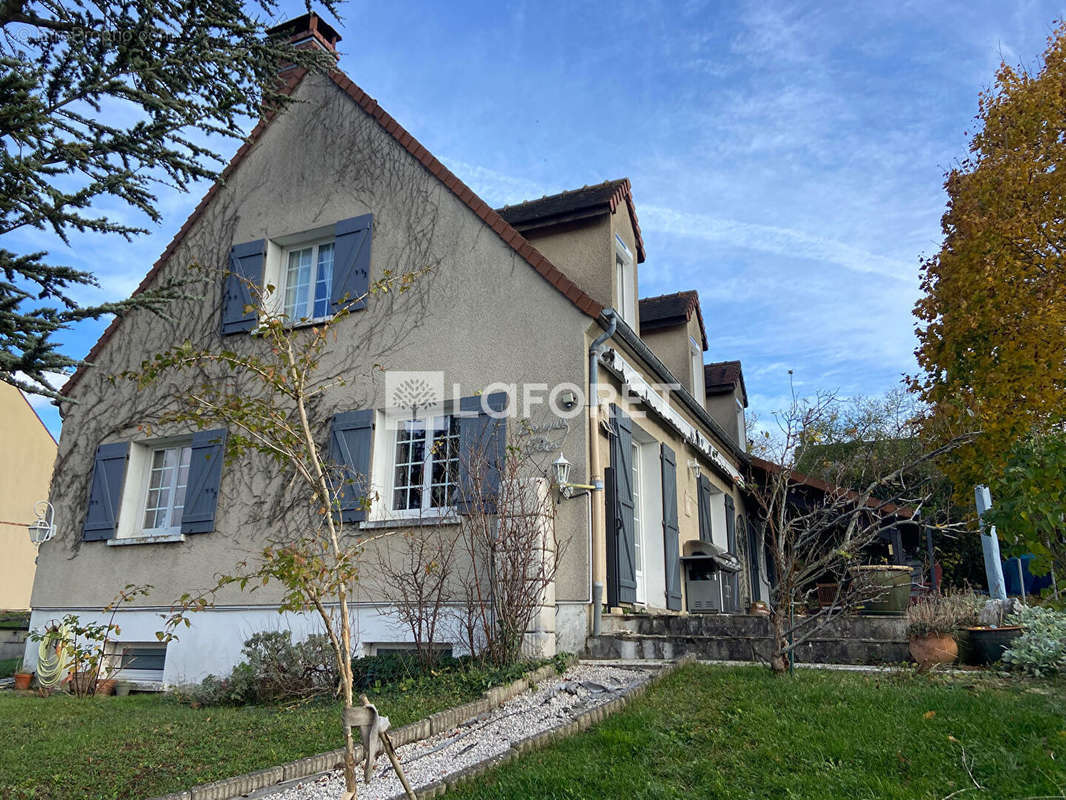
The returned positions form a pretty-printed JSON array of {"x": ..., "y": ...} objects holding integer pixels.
[
  {"x": 933, "y": 649},
  {"x": 22, "y": 680}
]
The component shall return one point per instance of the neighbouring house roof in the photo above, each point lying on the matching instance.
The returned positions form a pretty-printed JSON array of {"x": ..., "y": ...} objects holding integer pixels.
[
  {"x": 502, "y": 228},
  {"x": 818, "y": 484},
  {"x": 573, "y": 205},
  {"x": 722, "y": 377},
  {"x": 670, "y": 310}
]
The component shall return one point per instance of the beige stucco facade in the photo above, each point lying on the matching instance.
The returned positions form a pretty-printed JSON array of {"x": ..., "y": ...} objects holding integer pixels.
[
  {"x": 480, "y": 314},
  {"x": 29, "y": 453}
]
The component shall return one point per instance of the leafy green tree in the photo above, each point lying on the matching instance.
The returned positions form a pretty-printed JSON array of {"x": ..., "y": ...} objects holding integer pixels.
[
  {"x": 1029, "y": 501},
  {"x": 992, "y": 322},
  {"x": 101, "y": 103}
]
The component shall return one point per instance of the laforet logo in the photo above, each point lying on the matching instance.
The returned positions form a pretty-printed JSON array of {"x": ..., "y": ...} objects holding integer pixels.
[{"x": 414, "y": 391}]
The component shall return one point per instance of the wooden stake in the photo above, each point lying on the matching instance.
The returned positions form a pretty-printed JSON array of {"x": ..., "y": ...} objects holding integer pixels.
[{"x": 390, "y": 751}]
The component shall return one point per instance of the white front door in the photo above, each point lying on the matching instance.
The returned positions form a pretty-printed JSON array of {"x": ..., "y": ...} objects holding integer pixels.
[{"x": 638, "y": 525}]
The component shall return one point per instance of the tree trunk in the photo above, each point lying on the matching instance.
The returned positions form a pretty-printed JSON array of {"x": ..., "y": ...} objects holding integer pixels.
[
  {"x": 780, "y": 656},
  {"x": 349, "y": 757}
]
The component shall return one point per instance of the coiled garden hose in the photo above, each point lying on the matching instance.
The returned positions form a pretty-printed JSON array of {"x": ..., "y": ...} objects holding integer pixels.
[{"x": 53, "y": 659}]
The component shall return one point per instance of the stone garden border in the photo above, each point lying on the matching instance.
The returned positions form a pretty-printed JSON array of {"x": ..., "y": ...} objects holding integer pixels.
[
  {"x": 433, "y": 724},
  {"x": 324, "y": 762}
]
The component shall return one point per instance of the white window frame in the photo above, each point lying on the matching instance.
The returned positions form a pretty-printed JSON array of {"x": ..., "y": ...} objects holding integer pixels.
[
  {"x": 742, "y": 426},
  {"x": 625, "y": 280},
  {"x": 134, "y": 501},
  {"x": 696, "y": 365},
  {"x": 388, "y": 498},
  {"x": 283, "y": 283},
  {"x": 172, "y": 488}
]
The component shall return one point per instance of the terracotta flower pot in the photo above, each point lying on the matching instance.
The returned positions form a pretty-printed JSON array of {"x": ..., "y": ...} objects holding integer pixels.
[
  {"x": 105, "y": 687},
  {"x": 22, "y": 680},
  {"x": 933, "y": 649}
]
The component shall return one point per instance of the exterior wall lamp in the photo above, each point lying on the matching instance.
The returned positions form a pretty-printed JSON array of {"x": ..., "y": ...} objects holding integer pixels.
[
  {"x": 43, "y": 528},
  {"x": 561, "y": 472}
]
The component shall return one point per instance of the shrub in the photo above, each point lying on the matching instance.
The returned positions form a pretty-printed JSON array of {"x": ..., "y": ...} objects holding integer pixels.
[
  {"x": 1041, "y": 649},
  {"x": 275, "y": 670}
]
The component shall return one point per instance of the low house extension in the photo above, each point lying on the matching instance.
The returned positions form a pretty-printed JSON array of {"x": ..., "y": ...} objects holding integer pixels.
[{"x": 520, "y": 306}]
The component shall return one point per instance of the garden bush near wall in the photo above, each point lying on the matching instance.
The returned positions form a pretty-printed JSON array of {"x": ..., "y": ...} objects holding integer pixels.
[
  {"x": 1041, "y": 649},
  {"x": 275, "y": 670},
  {"x": 278, "y": 670}
]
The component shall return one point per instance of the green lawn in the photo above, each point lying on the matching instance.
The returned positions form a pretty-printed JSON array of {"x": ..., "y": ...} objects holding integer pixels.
[
  {"x": 7, "y": 667},
  {"x": 717, "y": 732},
  {"x": 144, "y": 745}
]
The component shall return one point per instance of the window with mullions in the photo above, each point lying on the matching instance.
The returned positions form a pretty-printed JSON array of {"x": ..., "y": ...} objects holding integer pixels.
[
  {"x": 426, "y": 469},
  {"x": 168, "y": 477},
  {"x": 308, "y": 281}
]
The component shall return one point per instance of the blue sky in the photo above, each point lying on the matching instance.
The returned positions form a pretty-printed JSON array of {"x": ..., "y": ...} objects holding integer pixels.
[{"x": 787, "y": 159}]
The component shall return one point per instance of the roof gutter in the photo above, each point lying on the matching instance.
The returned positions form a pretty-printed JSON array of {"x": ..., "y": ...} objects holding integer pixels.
[{"x": 629, "y": 337}]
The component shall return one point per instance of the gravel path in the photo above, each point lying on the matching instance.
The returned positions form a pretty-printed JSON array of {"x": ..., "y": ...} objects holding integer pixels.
[{"x": 554, "y": 703}]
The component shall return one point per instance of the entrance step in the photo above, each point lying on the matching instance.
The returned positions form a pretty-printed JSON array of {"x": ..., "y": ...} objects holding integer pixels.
[{"x": 743, "y": 637}]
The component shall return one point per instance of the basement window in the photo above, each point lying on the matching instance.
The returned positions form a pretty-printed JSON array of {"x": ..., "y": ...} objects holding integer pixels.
[{"x": 141, "y": 661}]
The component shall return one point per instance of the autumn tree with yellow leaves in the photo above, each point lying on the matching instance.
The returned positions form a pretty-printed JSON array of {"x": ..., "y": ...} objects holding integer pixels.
[{"x": 992, "y": 321}]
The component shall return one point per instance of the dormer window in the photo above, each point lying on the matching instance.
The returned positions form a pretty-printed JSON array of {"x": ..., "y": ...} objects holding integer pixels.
[
  {"x": 696, "y": 365},
  {"x": 625, "y": 283}
]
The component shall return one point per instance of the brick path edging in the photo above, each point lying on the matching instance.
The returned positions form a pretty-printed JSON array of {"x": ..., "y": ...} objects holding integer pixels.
[
  {"x": 545, "y": 738},
  {"x": 228, "y": 788}
]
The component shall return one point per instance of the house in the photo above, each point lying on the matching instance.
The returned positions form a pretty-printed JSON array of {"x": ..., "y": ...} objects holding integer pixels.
[
  {"x": 323, "y": 199},
  {"x": 29, "y": 453}
]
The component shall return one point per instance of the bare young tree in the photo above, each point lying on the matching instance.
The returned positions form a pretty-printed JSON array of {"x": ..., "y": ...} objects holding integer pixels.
[
  {"x": 416, "y": 572},
  {"x": 508, "y": 547},
  {"x": 268, "y": 397},
  {"x": 815, "y": 530}
]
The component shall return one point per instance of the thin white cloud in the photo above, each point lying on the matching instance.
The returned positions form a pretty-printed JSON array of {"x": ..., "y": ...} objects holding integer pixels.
[{"x": 774, "y": 240}]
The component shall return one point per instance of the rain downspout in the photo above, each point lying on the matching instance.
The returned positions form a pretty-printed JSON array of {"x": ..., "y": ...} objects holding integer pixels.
[{"x": 595, "y": 473}]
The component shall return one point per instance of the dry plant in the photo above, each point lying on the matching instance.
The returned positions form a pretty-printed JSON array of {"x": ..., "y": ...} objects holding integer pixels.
[{"x": 508, "y": 545}]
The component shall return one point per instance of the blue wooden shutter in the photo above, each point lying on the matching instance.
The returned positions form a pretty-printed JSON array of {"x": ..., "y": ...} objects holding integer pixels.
[
  {"x": 703, "y": 505},
  {"x": 351, "y": 263},
  {"x": 349, "y": 448},
  {"x": 482, "y": 452},
  {"x": 671, "y": 533},
  {"x": 245, "y": 266},
  {"x": 624, "y": 529},
  {"x": 733, "y": 579},
  {"x": 105, "y": 491},
  {"x": 205, "y": 475}
]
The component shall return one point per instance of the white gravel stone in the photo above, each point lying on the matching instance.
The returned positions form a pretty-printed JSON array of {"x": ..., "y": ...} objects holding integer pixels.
[{"x": 554, "y": 703}]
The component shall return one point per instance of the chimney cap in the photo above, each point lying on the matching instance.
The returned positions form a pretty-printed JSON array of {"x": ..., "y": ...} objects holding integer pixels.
[{"x": 308, "y": 27}]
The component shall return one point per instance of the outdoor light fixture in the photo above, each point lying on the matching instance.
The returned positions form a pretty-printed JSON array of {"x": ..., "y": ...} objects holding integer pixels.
[
  {"x": 694, "y": 465},
  {"x": 43, "y": 528},
  {"x": 561, "y": 470}
]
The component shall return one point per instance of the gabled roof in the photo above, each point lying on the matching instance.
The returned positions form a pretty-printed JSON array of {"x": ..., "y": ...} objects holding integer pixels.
[
  {"x": 573, "y": 205},
  {"x": 505, "y": 231},
  {"x": 670, "y": 310},
  {"x": 724, "y": 376}
]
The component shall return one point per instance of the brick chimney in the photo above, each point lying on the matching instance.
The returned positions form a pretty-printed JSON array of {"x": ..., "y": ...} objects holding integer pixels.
[{"x": 308, "y": 30}]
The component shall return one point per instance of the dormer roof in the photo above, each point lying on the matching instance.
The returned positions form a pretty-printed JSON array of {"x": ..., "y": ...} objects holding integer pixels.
[{"x": 574, "y": 205}]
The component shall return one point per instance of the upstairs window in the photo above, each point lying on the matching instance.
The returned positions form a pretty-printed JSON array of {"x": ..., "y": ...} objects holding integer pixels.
[
  {"x": 625, "y": 283},
  {"x": 696, "y": 365},
  {"x": 168, "y": 477},
  {"x": 308, "y": 281},
  {"x": 426, "y": 467}
]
